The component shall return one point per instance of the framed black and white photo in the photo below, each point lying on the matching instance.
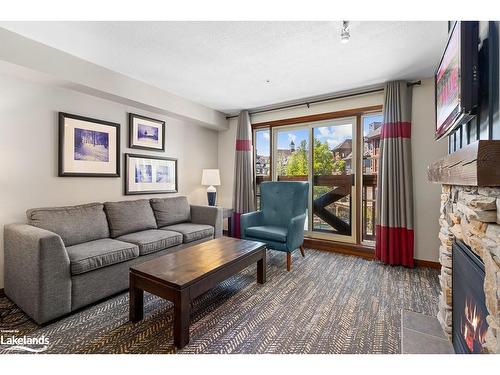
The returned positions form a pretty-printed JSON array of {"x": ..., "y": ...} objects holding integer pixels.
[
  {"x": 88, "y": 147},
  {"x": 146, "y": 133},
  {"x": 145, "y": 174}
]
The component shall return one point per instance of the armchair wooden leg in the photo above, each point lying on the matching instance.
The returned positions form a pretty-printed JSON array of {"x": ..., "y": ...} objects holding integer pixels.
[
  {"x": 302, "y": 251},
  {"x": 288, "y": 261}
]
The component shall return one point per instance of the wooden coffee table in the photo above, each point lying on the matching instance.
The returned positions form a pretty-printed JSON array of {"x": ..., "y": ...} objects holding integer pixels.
[{"x": 184, "y": 275}]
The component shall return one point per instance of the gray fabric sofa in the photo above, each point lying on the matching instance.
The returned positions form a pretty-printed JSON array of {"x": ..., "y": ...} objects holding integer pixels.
[{"x": 65, "y": 258}]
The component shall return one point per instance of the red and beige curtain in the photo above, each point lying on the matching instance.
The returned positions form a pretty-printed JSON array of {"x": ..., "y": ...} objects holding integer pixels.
[
  {"x": 394, "y": 230},
  {"x": 243, "y": 187}
]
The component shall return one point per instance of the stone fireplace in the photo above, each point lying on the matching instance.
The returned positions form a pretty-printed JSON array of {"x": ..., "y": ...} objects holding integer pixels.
[{"x": 471, "y": 215}]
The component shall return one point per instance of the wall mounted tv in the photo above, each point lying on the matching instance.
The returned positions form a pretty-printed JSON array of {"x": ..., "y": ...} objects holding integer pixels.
[{"x": 457, "y": 78}]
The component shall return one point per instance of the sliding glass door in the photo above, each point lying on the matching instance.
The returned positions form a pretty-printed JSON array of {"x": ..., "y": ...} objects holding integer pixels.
[
  {"x": 339, "y": 159},
  {"x": 323, "y": 154},
  {"x": 333, "y": 171}
]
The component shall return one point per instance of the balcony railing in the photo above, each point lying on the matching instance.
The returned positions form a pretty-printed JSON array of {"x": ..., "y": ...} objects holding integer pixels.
[{"x": 341, "y": 187}]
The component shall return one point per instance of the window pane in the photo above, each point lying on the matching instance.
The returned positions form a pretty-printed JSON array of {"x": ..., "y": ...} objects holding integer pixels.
[
  {"x": 372, "y": 126},
  {"x": 292, "y": 155},
  {"x": 332, "y": 182},
  {"x": 262, "y": 160},
  {"x": 291, "y": 158}
]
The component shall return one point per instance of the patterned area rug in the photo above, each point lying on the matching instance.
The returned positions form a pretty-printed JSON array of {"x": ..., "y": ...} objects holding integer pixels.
[{"x": 328, "y": 303}]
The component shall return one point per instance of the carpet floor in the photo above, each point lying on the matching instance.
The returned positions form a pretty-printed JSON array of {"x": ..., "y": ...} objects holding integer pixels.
[{"x": 328, "y": 303}]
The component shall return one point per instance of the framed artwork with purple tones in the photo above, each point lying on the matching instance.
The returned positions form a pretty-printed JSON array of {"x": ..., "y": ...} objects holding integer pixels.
[
  {"x": 88, "y": 147},
  {"x": 146, "y": 174},
  {"x": 146, "y": 133}
]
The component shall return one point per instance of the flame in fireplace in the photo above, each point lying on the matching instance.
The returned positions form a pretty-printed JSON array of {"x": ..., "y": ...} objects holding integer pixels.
[{"x": 473, "y": 329}]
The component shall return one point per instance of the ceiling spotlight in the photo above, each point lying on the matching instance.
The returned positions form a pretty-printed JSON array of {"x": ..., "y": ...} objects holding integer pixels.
[{"x": 345, "y": 34}]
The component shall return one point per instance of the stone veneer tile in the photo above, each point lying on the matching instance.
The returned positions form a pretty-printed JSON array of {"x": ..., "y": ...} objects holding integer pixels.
[{"x": 471, "y": 214}]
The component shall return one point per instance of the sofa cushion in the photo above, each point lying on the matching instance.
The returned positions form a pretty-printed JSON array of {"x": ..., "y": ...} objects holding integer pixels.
[
  {"x": 74, "y": 224},
  {"x": 170, "y": 211},
  {"x": 96, "y": 254},
  {"x": 150, "y": 241},
  {"x": 268, "y": 232},
  {"x": 129, "y": 216},
  {"x": 191, "y": 232}
]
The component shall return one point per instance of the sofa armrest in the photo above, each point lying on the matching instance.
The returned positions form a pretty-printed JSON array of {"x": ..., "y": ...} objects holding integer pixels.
[
  {"x": 250, "y": 219},
  {"x": 295, "y": 234},
  {"x": 37, "y": 272},
  {"x": 208, "y": 215}
]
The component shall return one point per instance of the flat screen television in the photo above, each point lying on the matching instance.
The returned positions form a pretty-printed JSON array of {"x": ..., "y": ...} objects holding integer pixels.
[{"x": 457, "y": 78}]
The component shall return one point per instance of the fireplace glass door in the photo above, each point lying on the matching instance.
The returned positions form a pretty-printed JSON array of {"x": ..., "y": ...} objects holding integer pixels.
[{"x": 469, "y": 308}]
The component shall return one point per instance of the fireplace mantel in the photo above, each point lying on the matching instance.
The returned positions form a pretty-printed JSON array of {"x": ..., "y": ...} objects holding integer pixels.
[{"x": 477, "y": 164}]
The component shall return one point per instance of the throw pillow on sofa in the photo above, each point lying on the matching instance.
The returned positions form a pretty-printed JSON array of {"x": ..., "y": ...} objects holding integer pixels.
[
  {"x": 170, "y": 211},
  {"x": 129, "y": 216}
]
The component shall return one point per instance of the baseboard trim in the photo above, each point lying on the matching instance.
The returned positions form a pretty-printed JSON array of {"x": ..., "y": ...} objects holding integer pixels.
[
  {"x": 365, "y": 252},
  {"x": 362, "y": 251},
  {"x": 2, "y": 293},
  {"x": 428, "y": 264}
]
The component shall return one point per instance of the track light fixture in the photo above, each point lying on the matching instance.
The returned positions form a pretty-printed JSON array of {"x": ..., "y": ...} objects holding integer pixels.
[{"x": 345, "y": 33}]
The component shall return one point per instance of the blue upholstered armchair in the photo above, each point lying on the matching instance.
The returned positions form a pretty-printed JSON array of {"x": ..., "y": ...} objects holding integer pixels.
[{"x": 280, "y": 222}]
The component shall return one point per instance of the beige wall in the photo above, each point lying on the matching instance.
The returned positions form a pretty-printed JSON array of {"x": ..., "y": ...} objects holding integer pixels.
[
  {"x": 226, "y": 152},
  {"x": 28, "y": 149},
  {"x": 424, "y": 151},
  {"x": 427, "y": 196}
]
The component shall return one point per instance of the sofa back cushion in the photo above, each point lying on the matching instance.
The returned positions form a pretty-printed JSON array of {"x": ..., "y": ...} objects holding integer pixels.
[
  {"x": 129, "y": 216},
  {"x": 169, "y": 211},
  {"x": 75, "y": 224}
]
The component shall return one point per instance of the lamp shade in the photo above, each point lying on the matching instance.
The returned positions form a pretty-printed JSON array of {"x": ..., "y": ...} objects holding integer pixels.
[{"x": 210, "y": 177}]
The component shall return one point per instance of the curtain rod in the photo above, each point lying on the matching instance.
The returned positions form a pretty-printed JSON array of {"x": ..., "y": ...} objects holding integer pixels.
[
  {"x": 414, "y": 83},
  {"x": 309, "y": 102}
]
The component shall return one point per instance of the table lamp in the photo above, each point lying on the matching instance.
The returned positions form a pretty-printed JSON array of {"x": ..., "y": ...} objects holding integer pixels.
[{"x": 211, "y": 178}]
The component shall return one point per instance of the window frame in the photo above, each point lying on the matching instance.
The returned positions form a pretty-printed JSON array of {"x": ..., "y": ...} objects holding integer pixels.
[{"x": 358, "y": 113}]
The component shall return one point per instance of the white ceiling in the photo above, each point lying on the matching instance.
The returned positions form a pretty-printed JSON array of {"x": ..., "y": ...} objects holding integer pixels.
[{"x": 225, "y": 65}]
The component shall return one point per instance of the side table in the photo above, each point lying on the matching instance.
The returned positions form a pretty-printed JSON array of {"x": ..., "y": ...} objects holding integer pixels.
[{"x": 227, "y": 213}]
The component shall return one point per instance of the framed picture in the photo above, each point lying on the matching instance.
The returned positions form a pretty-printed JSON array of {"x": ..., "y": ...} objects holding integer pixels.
[
  {"x": 146, "y": 133},
  {"x": 88, "y": 147},
  {"x": 145, "y": 174}
]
